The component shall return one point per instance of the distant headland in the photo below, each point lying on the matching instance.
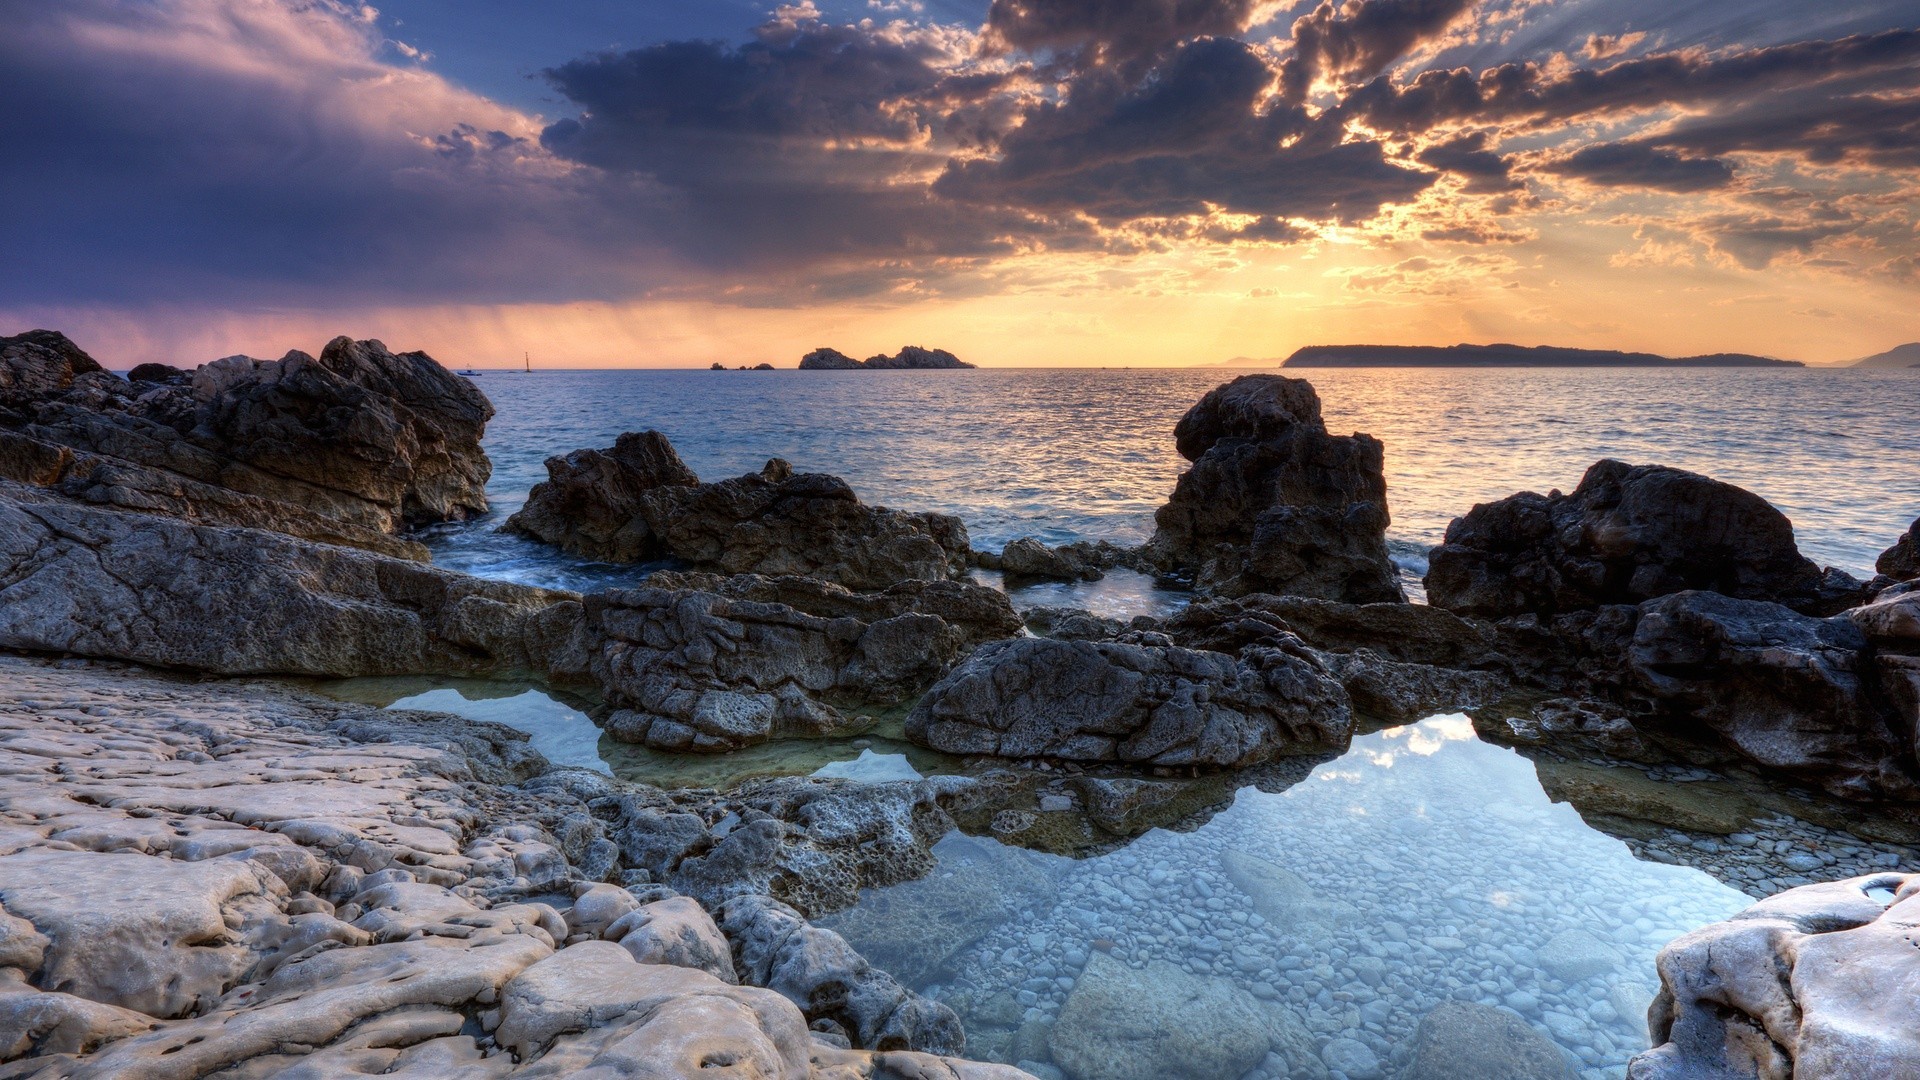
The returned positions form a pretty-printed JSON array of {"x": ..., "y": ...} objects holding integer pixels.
[
  {"x": 1900, "y": 356},
  {"x": 1502, "y": 355},
  {"x": 909, "y": 357}
]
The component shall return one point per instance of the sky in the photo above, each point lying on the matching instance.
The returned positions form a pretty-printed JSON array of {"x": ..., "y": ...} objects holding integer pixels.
[{"x": 664, "y": 183}]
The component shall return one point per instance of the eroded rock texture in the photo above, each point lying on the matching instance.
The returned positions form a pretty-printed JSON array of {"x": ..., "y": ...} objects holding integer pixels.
[
  {"x": 1626, "y": 534},
  {"x": 1902, "y": 561},
  {"x": 1273, "y": 503},
  {"x": 637, "y": 502},
  {"x": 711, "y": 664},
  {"x": 1815, "y": 981},
  {"x": 1155, "y": 704},
  {"x": 344, "y": 448}
]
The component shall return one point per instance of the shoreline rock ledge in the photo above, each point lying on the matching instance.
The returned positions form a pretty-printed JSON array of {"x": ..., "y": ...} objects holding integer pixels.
[{"x": 1273, "y": 503}]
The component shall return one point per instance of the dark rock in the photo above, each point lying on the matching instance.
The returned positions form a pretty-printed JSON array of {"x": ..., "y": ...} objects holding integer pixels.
[
  {"x": 717, "y": 366},
  {"x": 1462, "y": 1039},
  {"x": 1079, "y": 624},
  {"x": 1029, "y": 559},
  {"x": 158, "y": 373},
  {"x": 1135, "y": 703},
  {"x": 704, "y": 664},
  {"x": 38, "y": 363},
  {"x": 1273, "y": 503},
  {"x": 763, "y": 367},
  {"x": 1902, "y": 561},
  {"x": 1626, "y": 534},
  {"x": 909, "y": 357},
  {"x": 638, "y": 502},
  {"x": 824, "y": 359}
]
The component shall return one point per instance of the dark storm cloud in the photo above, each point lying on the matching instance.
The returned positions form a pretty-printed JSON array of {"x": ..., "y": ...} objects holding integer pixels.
[
  {"x": 1638, "y": 165},
  {"x": 1358, "y": 39},
  {"x": 1485, "y": 172},
  {"x": 1123, "y": 29}
]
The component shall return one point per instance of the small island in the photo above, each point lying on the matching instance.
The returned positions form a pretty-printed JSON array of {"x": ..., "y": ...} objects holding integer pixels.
[
  {"x": 910, "y": 357},
  {"x": 1504, "y": 355}
]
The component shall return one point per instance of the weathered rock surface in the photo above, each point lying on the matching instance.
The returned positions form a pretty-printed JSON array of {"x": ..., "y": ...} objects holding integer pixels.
[
  {"x": 242, "y": 881},
  {"x": 361, "y": 438},
  {"x": 1162, "y": 1023},
  {"x": 727, "y": 663},
  {"x": 1027, "y": 559},
  {"x": 675, "y": 931},
  {"x": 1154, "y": 704},
  {"x": 1815, "y": 981},
  {"x": 1902, "y": 561},
  {"x": 90, "y": 582},
  {"x": 1273, "y": 503},
  {"x": 637, "y": 502},
  {"x": 1459, "y": 1039},
  {"x": 1626, "y": 534}
]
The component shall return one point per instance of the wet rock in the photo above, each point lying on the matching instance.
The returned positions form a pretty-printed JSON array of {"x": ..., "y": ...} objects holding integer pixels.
[
  {"x": 675, "y": 931},
  {"x": 1902, "y": 561},
  {"x": 1143, "y": 704},
  {"x": 743, "y": 661},
  {"x": 1390, "y": 690},
  {"x": 591, "y": 503},
  {"x": 1078, "y": 624},
  {"x": 99, "y": 583},
  {"x": 1030, "y": 560},
  {"x": 637, "y": 503},
  {"x": 1461, "y": 1039},
  {"x": 1626, "y": 534},
  {"x": 1283, "y": 897},
  {"x": 1161, "y": 1022},
  {"x": 1273, "y": 503},
  {"x": 1811, "y": 982},
  {"x": 817, "y": 970},
  {"x": 1574, "y": 955},
  {"x": 1613, "y": 792}
]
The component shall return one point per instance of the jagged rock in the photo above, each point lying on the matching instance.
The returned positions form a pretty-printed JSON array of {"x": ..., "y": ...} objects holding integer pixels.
[
  {"x": 1902, "y": 561},
  {"x": 1079, "y": 624},
  {"x": 1031, "y": 560},
  {"x": 675, "y": 931},
  {"x": 38, "y": 363},
  {"x": 91, "y": 582},
  {"x": 592, "y": 501},
  {"x": 1164, "y": 1023},
  {"x": 1144, "y": 704},
  {"x": 1459, "y": 1039},
  {"x": 1626, "y": 534},
  {"x": 752, "y": 659},
  {"x": 1811, "y": 982},
  {"x": 637, "y": 502},
  {"x": 817, "y": 970},
  {"x": 158, "y": 373},
  {"x": 1389, "y": 690},
  {"x": 1273, "y": 503},
  {"x": 825, "y": 359},
  {"x": 909, "y": 356}
]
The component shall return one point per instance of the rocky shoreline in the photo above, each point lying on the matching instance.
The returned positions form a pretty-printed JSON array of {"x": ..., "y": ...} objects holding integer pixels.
[{"x": 371, "y": 891}]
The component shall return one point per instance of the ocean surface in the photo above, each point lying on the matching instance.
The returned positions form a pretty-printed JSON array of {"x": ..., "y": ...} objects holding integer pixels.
[{"x": 1070, "y": 454}]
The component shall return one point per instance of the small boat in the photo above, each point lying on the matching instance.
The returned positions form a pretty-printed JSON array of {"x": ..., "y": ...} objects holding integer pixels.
[{"x": 470, "y": 373}]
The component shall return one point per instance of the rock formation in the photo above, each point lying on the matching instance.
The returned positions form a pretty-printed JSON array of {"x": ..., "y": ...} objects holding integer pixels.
[
  {"x": 1460, "y": 1039},
  {"x": 637, "y": 502},
  {"x": 239, "y": 880},
  {"x": 1151, "y": 704},
  {"x": 909, "y": 357},
  {"x": 1273, "y": 503},
  {"x": 694, "y": 662},
  {"x": 1811, "y": 982},
  {"x": 1902, "y": 561},
  {"x": 341, "y": 449},
  {"x": 1027, "y": 559},
  {"x": 1626, "y": 534}
]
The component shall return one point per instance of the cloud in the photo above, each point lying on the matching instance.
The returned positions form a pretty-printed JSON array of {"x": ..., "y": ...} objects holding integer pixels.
[
  {"x": 1113, "y": 29},
  {"x": 1485, "y": 172},
  {"x": 1357, "y": 39},
  {"x": 1637, "y": 165}
]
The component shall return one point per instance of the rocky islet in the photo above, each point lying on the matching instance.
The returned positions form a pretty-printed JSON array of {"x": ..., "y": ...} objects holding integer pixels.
[{"x": 157, "y": 519}]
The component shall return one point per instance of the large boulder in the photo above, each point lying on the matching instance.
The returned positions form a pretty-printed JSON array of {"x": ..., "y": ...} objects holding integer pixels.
[
  {"x": 1626, "y": 534},
  {"x": 1902, "y": 561},
  {"x": 1815, "y": 981},
  {"x": 1274, "y": 503},
  {"x": 1460, "y": 1039},
  {"x": 91, "y": 582},
  {"x": 1147, "y": 704},
  {"x": 637, "y": 502},
  {"x": 358, "y": 441},
  {"x": 708, "y": 664}
]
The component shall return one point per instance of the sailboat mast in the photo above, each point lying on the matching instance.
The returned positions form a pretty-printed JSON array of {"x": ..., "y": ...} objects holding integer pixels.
[{"x": 528, "y": 357}]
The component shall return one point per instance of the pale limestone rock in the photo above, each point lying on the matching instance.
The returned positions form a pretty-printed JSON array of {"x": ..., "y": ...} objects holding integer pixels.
[{"x": 675, "y": 931}]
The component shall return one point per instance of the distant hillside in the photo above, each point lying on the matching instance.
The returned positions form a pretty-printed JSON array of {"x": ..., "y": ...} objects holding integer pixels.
[
  {"x": 1900, "y": 356},
  {"x": 1502, "y": 355},
  {"x": 1249, "y": 361},
  {"x": 909, "y": 357}
]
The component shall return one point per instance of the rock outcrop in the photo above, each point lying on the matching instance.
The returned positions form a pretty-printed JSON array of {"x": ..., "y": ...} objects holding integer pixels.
[
  {"x": 1626, "y": 534},
  {"x": 85, "y": 581},
  {"x": 637, "y": 502},
  {"x": 350, "y": 448},
  {"x": 1139, "y": 703},
  {"x": 1815, "y": 981},
  {"x": 707, "y": 664},
  {"x": 1027, "y": 559},
  {"x": 1273, "y": 503},
  {"x": 237, "y": 880},
  {"x": 909, "y": 357},
  {"x": 1901, "y": 562}
]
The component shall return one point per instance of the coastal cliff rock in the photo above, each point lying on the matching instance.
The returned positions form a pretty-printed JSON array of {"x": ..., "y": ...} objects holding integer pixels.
[
  {"x": 1626, "y": 534},
  {"x": 1149, "y": 704},
  {"x": 341, "y": 449},
  {"x": 1273, "y": 503},
  {"x": 238, "y": 880},
  {"x": 701, "y": 663},
  {"x": 1815, "y": 981},
  {"x": 637, "y": 502},
  {"x": 1902, "y": 561},
  {"x": 85, "y": 581}
]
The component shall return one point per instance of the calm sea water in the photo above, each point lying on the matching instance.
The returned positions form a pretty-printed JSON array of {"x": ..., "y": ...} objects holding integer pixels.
[{"x": 1078, "y": 454}]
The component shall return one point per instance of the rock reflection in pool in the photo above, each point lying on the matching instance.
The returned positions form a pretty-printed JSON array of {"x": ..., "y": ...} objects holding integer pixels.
[
  {"x": 1421, "y": 868},
  {"x": 564, "y": 734}
]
